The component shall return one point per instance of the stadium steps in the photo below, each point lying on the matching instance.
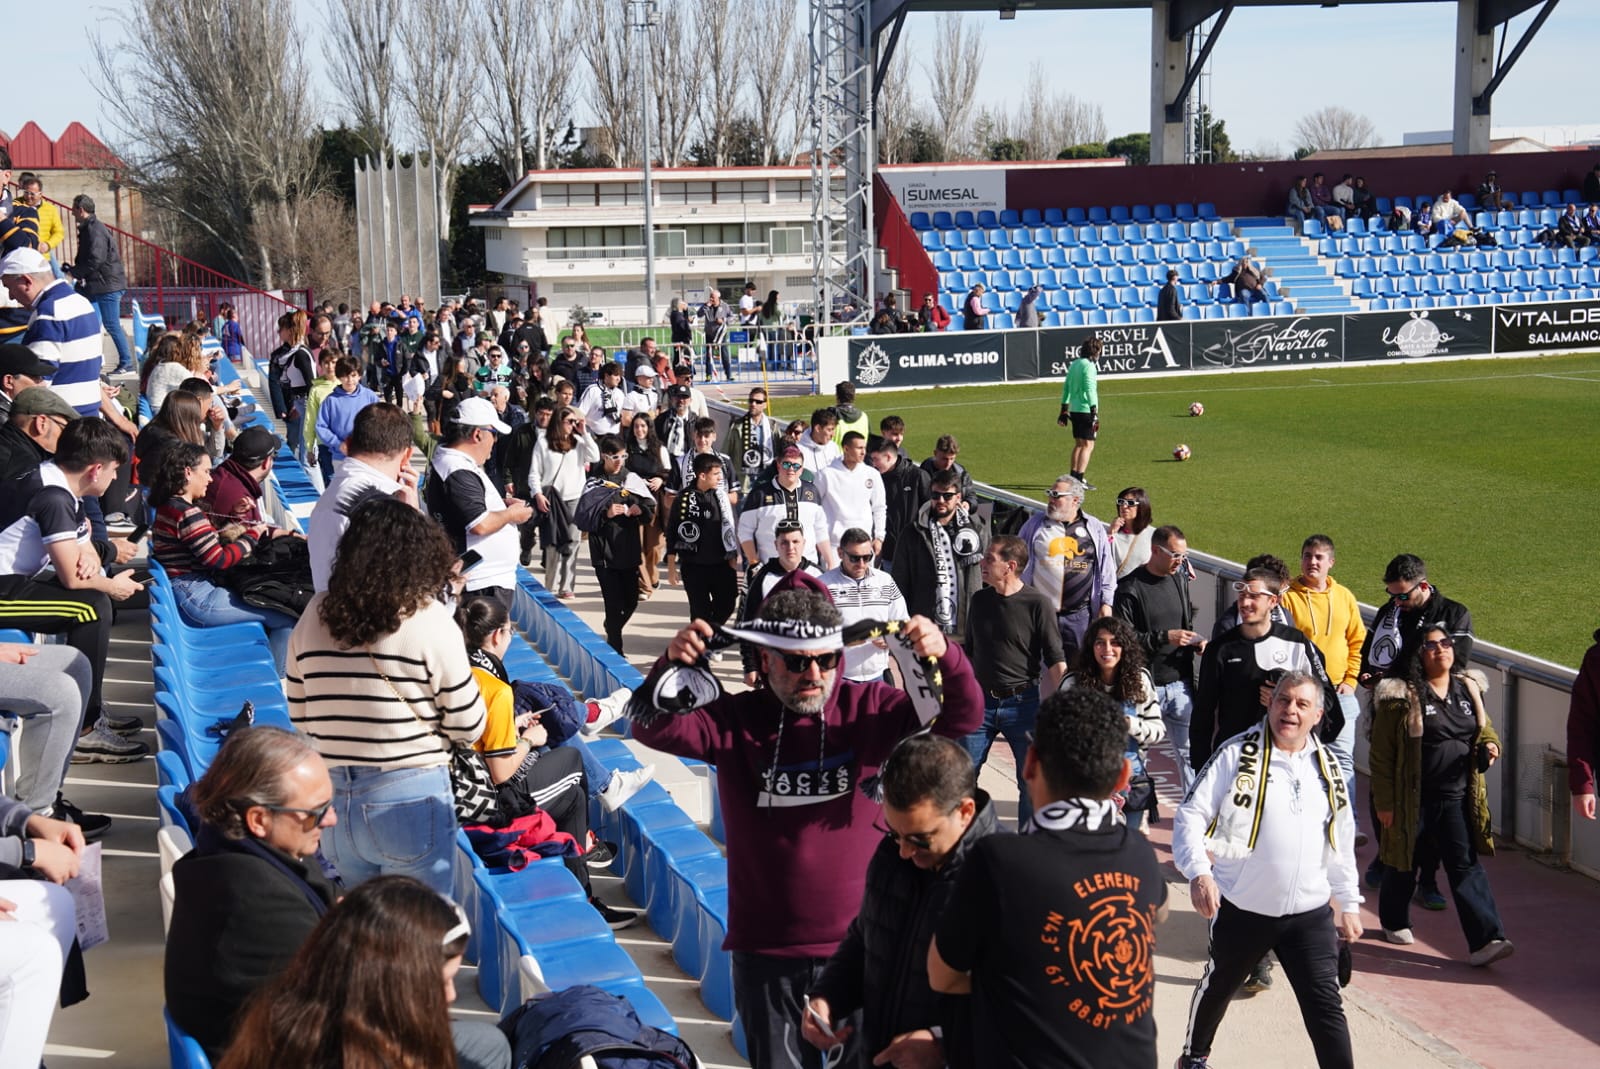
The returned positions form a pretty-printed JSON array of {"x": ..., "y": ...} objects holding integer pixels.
[{"x": 1292, "y": 262}]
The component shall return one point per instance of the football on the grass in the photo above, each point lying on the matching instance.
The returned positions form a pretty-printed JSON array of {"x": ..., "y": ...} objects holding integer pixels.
[
  {"x": 1197, "y": 409},
  {"x": 1180, "y": 452}
]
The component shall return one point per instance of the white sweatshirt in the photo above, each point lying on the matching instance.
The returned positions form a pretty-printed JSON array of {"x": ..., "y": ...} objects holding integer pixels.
[
  {"x": 1292, "y": 869},
  {"x": 852, "y": 498},
  {"x": 874, "y": 596}
]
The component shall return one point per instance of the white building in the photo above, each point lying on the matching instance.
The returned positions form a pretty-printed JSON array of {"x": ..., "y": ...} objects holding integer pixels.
[{"x": 576, "y": 237}]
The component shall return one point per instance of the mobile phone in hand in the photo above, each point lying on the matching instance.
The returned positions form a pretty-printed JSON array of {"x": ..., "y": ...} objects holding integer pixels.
[{"x": 470, "y": 560}]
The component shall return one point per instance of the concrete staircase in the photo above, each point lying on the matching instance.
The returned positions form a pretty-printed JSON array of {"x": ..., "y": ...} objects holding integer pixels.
[{"x": 1293, "y": 264}]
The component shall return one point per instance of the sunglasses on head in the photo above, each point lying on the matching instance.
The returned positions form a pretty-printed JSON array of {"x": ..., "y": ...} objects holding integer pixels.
[{"x": 799, "y": 662}]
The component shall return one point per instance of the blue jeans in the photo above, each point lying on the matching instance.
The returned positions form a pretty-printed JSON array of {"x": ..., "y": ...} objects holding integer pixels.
[
  {"x": 1013, "y": 717},
  {"x": 1177, "y": 708},
  {"x": 393, "y": 822},
  {"x": 204, "y": 603},
  {"x": 1443, "y": 833},
  {"x": 109, "y": 305},
  {"x": 596, "y": 773},
  {"x": 1344, "y": 748}
]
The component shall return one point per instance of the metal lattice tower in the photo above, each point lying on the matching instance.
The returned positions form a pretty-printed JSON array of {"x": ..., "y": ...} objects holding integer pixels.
[
  {"x": 1197, "y": 138},
  {"x": 842, "y": 155}
]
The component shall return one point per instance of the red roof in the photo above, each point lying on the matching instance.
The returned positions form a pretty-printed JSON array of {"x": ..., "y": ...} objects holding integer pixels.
[{"x": 75, "y": 150}]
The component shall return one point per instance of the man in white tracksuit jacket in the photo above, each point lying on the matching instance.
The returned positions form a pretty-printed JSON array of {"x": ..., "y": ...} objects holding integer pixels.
[{"x": 1271, "y": 807}]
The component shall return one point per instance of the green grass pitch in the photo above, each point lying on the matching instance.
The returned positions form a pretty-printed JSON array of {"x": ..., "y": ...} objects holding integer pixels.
[{"x": 1484, "y": 468}]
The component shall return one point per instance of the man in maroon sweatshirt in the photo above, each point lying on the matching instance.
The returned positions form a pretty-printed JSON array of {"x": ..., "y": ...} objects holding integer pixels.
[{"x": 790, "y": 757}]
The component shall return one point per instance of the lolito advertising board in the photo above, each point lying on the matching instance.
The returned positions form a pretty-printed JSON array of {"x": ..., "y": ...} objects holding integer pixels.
[
  {"x": 951, "y": 358},
  {"x": 1436, "y": 332},
  {"x": 1520, "y": 328}
]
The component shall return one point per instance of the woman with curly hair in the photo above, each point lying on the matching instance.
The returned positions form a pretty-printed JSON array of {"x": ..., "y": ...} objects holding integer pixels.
[
  {"x": 379, "y": 680},
  {"x": 193, "y": 552},
  {"x": 1112, "y": 661},
  {"x": 370, "y": 988}
]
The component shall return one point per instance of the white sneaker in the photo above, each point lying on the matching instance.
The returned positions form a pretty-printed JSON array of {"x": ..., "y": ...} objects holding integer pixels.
[
  {"x": 612, "y": 707},
  {"x": 1492, "y": 951},
  {"x": 625, "y": 785},
  {"x": 1402, "y": 936}
]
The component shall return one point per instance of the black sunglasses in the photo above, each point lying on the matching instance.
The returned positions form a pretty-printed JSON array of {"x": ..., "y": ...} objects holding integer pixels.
[
  {"x": 315, "y": 816},
  {"x": 799, "y": 662},
  {"x": 1436, "y": 644},
  {"x": 858, "y": 558},
  {"x": 1405, "y": 595},
  {"x": 918, "y": 840},
  {"x": 944, "y": 495}
]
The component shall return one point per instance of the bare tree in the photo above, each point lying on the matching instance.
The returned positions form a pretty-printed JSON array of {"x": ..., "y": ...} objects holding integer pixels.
[
  {"x": 722, "y": 36},
  {"x": 613, "y": 86},
  {"x": 328, "y": 265},
  {"x": 676, "y": 67},
  {"x": 1047, "y": 121},
  {"x": 773, "y": 74},
  {"x": 800, "y": 100},
  {"x": 362, "y": 66},
  {"x": 953, "y": 73},
  {"x": 550, "y": 70},
  {"x": 896, "y": 108},
  {"x": 438, "y": 85},
  {"x": 507, "y": 33},
  {"x": 219, "y": 135},
  {"x": 1334, "y": 127}
]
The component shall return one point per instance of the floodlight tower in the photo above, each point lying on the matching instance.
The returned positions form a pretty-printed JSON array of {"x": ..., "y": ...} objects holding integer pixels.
[{"x": 842, "y": 158}]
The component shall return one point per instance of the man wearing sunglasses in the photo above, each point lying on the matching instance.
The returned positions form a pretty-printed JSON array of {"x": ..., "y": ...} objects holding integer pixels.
[
  {"x": 784, "y": 496},
  {"x": 1415, "y": 606},
  {"x": 938, "y": 562},
  {"x": 790, "y": 758},
  {"x": 1070, "y": 561},
  {"x": 863, "y": 592},
  {"x": 933, "y": 815}
]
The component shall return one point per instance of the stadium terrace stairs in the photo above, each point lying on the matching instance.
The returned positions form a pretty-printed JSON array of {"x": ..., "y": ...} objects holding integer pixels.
[{"x": 1293, "y": 264}]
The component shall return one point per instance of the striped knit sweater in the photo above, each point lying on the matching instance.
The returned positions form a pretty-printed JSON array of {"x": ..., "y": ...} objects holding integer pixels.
[
  {"x": 339, "y": 699},
  {"x": 65, "y": 329},
  {"x": 183, "y": 541}
]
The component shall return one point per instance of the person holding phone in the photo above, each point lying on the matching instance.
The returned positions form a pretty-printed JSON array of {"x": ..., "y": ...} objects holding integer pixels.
[
  {"x": 1432, "y": 742},
  {"x": 464, "y": 499}
]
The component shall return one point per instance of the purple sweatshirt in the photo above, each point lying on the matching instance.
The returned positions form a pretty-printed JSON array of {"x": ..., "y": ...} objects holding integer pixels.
[{"x": 797, "y": 856}]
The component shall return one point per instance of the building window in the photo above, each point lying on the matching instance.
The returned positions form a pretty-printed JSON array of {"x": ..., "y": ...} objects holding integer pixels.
[
  {"x": 791, "y": 190},
  {"x": 614, "y": 193},
  {"x": 567, "y": 195}
]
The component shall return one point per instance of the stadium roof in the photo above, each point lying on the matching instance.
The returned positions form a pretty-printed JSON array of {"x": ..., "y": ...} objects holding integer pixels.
[{"x": 1183, "y": 15}]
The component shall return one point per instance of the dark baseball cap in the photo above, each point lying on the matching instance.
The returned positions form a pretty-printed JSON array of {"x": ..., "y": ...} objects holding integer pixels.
[
  {"x": 678, "y": 390},
  {"x": 42, "y": 401},
  {"x": 21, "y": 360},
  {"x": 254, "y": 445}
]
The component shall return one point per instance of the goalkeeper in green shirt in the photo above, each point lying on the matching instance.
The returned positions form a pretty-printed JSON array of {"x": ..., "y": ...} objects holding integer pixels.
[{"x": 1080, "y": 407}]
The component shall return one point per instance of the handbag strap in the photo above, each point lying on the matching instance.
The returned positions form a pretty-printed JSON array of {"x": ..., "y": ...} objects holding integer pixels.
[{"x": 435, "y": 732}]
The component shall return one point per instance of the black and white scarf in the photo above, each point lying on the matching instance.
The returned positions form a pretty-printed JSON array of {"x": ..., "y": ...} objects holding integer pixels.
[
  {"x": 755, "y": 448},
  {"x": 677, "y": 435},
  {"x": 1069, "y": 814},
  {"x": 694, "y": 518},
  {"x": 1237, "y": 825}
]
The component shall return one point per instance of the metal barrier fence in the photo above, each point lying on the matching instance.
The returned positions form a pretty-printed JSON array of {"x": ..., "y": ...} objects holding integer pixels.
[
  {"x": 1528, "y": 699},
  {"x": 754, "y": 356}
]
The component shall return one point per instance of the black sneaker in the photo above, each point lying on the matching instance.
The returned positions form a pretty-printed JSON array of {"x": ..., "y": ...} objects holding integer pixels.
[
  {"x": 601, "y": 854},
  {"x": 616, "y": 919},
  {"x": 122, "y": 725},
  {"x": 93, "y": 825},
  {"x": 1260, "y": 978},
  {"x": 1088, "y": 486},
  {"x": 1193, "y": 1061}
]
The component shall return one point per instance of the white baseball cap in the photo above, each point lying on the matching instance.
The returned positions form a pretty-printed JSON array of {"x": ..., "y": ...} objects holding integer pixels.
[
  {"x": 23, "y": 261},
  {"x": 478, "y": 412}
]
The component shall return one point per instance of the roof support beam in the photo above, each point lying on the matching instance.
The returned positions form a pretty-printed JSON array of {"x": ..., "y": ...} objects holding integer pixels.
[{"x": 1480, "y": 102}]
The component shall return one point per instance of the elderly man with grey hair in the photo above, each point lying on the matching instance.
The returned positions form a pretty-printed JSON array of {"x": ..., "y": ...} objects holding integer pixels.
[
  {"x": 1070, "y": 561},
  {"x": 1266, "y": 837}
]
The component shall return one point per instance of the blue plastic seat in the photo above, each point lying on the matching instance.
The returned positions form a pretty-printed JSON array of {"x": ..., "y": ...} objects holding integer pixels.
[
  {"x": 183, "y": 1049},
  {"x": 1072, "y": 318},
  {"x": 1141, "y": 213},
  {"x": 1097, "y": 215},
  {"x": 1020, "y": 238},
  {"x": 988, "y": 260},
  {"x": 920, "y": 221},
  {"x": 1077, "y": 216},
  {"x": 965, "y": 220},
  {"x": 1052, "y": 216},
  {"x": 1096, "y": 317},
  {"x": 1120, "y": 213},
  {"x": 988, "y": 218},
  {"x": 1185, "y": 212},
  {"x": 1011, "y": 217},
  {"x": 1011, "y": 259},
  {"x": 1059, "y": 257},
  {"x": 662, "y": 849}
]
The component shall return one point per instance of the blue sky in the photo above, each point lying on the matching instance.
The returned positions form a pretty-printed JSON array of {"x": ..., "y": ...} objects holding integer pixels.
[{"x": 1392, "y": 63}]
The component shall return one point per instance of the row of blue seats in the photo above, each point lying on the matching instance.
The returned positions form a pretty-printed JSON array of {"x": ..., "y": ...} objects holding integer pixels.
[
  {"x": 1138, "y": 213},
  {"x": 1084, "y": 256},
  {"x": 1515, "y": 242},
  {"x": 1069, "y": 277},
  {"x": 1417, "y": 266},
  {"x": 1473, "y": 300},
  {"x": 1111, "y": 317},
  {"x": 1134, "y": 296},
  {"x": 1555, "y": 198},
  {"x": 1057, "y": 292},
  {"x": 1048, "y": 237}
]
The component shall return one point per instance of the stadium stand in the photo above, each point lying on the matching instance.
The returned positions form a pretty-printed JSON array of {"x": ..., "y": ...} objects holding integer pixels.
[
  {"x": 1105, "y": 265},
  {"x": 533, "y": 931}
]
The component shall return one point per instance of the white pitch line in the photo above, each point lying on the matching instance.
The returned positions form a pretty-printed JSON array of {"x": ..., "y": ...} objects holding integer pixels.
[{"x": 1568, "y": 378}]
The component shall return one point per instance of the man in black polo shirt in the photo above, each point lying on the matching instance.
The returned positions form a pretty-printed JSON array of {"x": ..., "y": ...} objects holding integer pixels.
[
  {"x": 1053, "y": 931},
  {"x": 1011, "y": 631},
  {"x": 1155, "y": 600}
]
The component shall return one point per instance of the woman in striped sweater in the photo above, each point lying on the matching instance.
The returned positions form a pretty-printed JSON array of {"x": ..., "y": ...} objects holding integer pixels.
[
  {"x": 378, "y": 679},
  {"x": 184, "y": 542}
]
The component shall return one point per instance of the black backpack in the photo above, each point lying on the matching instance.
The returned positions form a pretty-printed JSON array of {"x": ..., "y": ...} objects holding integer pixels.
[{"x": 558, "y": 1030}]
